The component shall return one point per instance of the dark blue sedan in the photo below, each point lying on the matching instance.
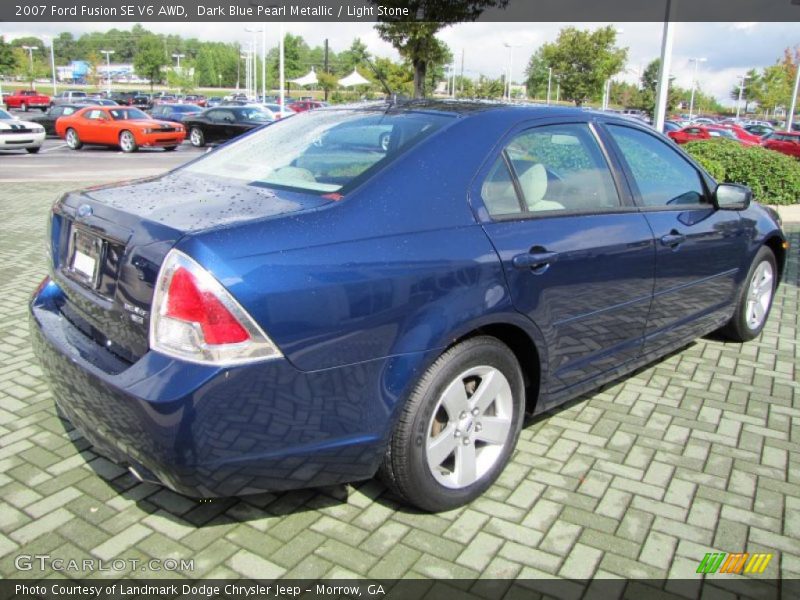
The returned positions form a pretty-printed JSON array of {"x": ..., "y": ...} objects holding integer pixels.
[{"x": 297, "y": 309}]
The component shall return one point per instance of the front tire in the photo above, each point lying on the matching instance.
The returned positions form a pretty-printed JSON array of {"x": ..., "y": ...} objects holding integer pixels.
[
  {"x": 73, "y": 140},
  {"x": 458, "y": 429},
  {"x": 127, "y": 142},
  {"x": 755, "y": 299},
  {"x": 196, "y": 137},
  {"x": 33, "y": 150},
  {"x": 170, "y": 148}
]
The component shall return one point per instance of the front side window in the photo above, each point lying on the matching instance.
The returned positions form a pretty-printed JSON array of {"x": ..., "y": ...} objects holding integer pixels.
[
  {"x": 550, "y": 168},
  {"x": 318, "y": 151},
  {"x": 663, "y": 177},
  {"x": 126, "y": 114}
]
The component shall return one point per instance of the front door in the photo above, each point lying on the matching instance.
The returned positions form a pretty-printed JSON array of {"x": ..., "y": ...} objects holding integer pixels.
[
  {"x": 578, "y": 257},
  {"x": 699, "y": 249}
]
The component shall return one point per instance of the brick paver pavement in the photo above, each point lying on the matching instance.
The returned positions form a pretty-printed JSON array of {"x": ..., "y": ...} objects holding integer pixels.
[{"x": 697, "y": 453}]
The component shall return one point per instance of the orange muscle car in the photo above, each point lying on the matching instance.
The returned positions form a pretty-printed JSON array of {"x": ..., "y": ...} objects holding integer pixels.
[{"x": 123, "y": 126}]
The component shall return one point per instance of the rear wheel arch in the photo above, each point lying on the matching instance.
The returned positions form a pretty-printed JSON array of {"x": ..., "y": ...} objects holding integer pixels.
[
  {"x": 775, "y": 243},
  {"x": 525, "y": 350}
]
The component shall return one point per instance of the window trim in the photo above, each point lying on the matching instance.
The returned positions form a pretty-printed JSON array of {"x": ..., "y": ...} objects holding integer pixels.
[
  {"x": 621, "y": 186},
  {"x": 706, "y": 182}
]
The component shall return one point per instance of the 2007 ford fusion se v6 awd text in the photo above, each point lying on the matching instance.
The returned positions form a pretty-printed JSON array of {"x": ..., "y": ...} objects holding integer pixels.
[{"x": 312, "y": 304}]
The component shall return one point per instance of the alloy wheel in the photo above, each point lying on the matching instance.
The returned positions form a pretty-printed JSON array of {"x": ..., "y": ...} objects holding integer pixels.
[
  {"x": 470, "y": 427},
  {"x": 126, "y": 141},
  {"x": 759, "y": 295}
]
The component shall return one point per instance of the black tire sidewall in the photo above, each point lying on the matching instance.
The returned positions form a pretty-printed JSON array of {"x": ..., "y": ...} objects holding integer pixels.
[{"x": 427, "y": 492}]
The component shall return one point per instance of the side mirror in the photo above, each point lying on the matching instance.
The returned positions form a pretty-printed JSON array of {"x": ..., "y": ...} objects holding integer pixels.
[{"x": 732, "y": 196}]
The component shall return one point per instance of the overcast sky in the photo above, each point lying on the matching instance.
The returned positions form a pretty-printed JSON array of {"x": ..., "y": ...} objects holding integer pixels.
[{"x": 731, "y": 48}]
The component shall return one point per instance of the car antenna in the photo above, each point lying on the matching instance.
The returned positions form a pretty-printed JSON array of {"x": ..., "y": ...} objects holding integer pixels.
[{"x": 392, "y": 94}]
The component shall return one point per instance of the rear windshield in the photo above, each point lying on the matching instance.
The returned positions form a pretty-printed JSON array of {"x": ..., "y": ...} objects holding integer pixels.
[{"x": 320, "y": 151}]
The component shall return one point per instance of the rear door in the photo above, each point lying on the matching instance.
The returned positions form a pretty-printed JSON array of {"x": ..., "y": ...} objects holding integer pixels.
[
  {"x": 699, "y": 250},
  {"x": 578, "y": 256}
]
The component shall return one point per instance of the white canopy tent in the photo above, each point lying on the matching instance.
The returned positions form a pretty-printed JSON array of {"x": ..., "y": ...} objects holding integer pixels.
[
  {"x": 309, "y": 78},
  {"x": 355, "y": 78}
]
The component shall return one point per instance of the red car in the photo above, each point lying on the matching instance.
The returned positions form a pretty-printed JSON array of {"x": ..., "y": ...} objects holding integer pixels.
[
  {"x": 783, "y": 141},
  {"x": 304, "y": 105},
  {"x": 25, "y": 99},
  {"x": 122, "y": 126},
  {"x": 195, "y": 99},
  {"x": 705, "y": 132},
  {"x": 743, "y": 134}
]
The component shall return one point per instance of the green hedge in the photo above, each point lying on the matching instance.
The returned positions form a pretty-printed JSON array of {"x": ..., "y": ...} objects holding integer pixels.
[{"x": 773, "y": 177}]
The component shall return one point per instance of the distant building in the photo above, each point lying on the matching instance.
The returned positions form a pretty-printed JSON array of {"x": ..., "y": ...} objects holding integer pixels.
[{"x": 76, "y": 72}]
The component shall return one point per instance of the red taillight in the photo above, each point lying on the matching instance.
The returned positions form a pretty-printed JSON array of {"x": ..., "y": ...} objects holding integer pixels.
[
  {"x": 196, "y": 318},
  {"x": 187, "y": 302}
]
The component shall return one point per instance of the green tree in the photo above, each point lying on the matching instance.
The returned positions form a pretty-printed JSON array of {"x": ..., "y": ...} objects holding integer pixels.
[
  {"x": 353, "y": 57},
  {"x": 489, "y": 88},
  {"x": 646, "y": 100},
  {"x": 537, "y": 75},
  {"x": 416, "y": 41},
  {"x": 8, "y": 60},
  {"x": 206, "y": 70},
  {"x": 150, "y": 58},
  {"x": 777, "y": 81},
  {"x": 584, "y": 60},
  {"x": 751, "y": 91}
]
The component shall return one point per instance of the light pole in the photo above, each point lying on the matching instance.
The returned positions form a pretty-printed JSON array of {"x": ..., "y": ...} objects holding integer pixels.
[
  {"x": 254, "y": 31},
  {"x": 607, "y": 86},
  {"x": 793, "y": 103},
  {"x": 549, "y": 83},
  {"x": 741, "y": 93},
  {"x": 662, "y": 89},
  {"x": 281, "y": 69},
  {"x": 108, "y": 54},
  {"x": 52, "y": 61},
  {"x": 30, "y": 50},
  {"x": 694, "y": 83},
  {"x": 510, "y": 66}
]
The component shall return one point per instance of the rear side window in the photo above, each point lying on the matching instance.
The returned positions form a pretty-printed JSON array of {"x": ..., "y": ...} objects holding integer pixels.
[
  {"x": 663, "y": 177},
  {"x": 550, "y": 168}
]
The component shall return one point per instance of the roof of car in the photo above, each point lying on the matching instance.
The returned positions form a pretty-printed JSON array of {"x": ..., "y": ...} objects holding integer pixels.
[{"x": 467, "y": 108}]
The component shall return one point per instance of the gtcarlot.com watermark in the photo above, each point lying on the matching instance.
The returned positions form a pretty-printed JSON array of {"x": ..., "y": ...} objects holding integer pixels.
[{"x": 46, "y": 562}]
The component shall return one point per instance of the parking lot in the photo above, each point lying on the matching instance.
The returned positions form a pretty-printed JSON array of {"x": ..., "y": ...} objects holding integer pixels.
[{"x": 697, "y": 453}]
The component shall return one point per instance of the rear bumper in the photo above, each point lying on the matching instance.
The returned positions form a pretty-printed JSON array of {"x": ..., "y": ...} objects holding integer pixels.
[{"x": 209, "y": 432}]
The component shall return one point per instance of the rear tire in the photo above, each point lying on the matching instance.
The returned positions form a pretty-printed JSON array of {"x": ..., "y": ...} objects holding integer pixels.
[
  {"x": 197, "y": 138},
  {"x": 73, "y": 140},
  {"x": 458, "y": 428},
  {"x": 755, "y": 299},
  {"x": 127, "y": 142}
]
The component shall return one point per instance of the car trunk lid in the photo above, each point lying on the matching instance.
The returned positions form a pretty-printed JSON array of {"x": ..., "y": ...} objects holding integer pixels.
[{"x": 108, "y": 243}]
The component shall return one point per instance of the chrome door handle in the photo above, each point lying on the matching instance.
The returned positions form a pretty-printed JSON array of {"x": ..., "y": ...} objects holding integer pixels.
[
  {"x": 535, "y": 261},
  {"x": 673, "y": 239}
]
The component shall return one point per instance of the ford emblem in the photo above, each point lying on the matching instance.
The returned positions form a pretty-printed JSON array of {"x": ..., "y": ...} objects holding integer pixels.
[{"x": 84, "y": 210}]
